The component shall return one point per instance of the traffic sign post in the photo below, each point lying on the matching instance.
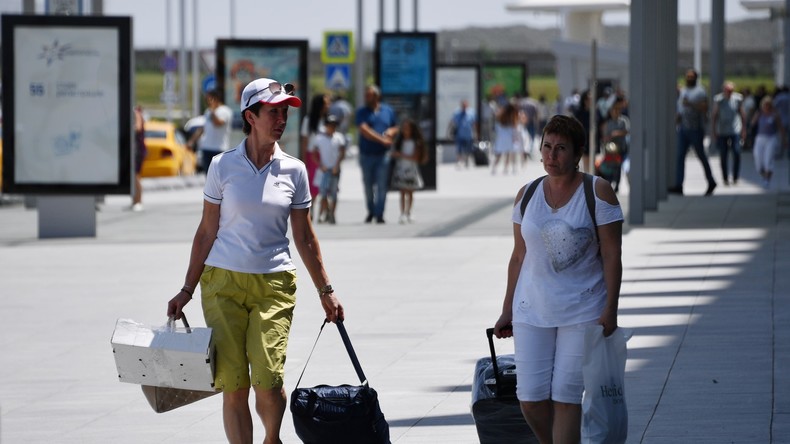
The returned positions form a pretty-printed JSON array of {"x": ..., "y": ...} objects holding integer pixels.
[
  {"x": 338, "y": 47},
  {"x": 209, "y": 83},
  {"x": 338, "y": 77}
]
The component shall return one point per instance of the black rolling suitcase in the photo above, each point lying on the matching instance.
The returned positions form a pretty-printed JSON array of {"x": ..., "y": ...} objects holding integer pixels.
[
  {"x": 480, "y": 154},
  {"x": 495, "y": 407}
]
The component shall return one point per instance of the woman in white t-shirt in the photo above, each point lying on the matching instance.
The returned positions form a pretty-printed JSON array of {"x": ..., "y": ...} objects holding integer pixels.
[{"x": 559, "y": 281}]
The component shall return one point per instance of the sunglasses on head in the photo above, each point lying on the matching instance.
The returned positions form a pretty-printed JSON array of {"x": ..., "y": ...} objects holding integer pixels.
[{"x": 275, "y": 88}]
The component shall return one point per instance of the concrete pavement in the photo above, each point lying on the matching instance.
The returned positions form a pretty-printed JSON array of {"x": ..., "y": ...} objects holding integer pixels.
[{"x": 706, "y": 288}]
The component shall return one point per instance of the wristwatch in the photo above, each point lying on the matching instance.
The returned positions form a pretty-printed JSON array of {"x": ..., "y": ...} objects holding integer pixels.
[{"x": 326, "y": 289}]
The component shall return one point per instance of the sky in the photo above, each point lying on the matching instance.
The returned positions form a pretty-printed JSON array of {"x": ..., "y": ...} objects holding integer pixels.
[{"x": 308, "y": 19}]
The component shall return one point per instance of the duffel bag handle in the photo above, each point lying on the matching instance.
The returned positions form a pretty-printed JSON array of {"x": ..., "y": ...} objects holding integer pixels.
[
  {"x": 349, "y": 348},
  {"x": 171, "y": 323}
]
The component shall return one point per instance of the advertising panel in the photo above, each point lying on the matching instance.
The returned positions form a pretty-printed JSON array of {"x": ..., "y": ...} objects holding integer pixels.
[
  {"x": 506, "y": 79},
  {"x": 67, "y": 104},
  {"x": 241, "y": 61},
  {"x": 405, "y": 72},
  {"x": 455, "y": 83}
]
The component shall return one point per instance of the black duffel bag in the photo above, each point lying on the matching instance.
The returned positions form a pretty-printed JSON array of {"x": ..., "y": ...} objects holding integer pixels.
[{"x": 344, "y": 414}]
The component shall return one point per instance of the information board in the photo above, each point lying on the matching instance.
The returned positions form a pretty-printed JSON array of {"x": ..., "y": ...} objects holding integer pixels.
[
  {"x": 455, "y": 83},
  {"x": 67, "y": 104},
  {"x": 241, "y": 61},
  {"x": 406, "y": 74}
]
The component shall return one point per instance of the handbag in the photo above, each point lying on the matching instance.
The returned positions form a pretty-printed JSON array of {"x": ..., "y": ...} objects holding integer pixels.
[
  {"x": 153, "y": 358},
  {"x": 344, "y": 414},
  {"x": 604, "y": 412}
]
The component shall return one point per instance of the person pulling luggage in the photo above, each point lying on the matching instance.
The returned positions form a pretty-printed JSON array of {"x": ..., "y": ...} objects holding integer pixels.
[{"x": 564, "y": 274}]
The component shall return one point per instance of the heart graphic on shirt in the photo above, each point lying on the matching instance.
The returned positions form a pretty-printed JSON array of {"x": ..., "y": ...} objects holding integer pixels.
[{"x": 564, "y": 244}]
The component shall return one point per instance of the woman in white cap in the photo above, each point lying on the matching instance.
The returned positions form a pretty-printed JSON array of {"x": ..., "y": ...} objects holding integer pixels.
[{"x": 241, "y": 258}]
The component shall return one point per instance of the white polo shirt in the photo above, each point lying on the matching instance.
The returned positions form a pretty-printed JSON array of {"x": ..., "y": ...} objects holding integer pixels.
[{"x": 254, "y": 209}]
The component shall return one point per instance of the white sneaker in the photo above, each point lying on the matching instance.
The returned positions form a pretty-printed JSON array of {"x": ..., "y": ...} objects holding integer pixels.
[
  {"x": 410, "y": 219},
  {"x": 137, "y": 207},
  {"x": 402, "y": 219}
]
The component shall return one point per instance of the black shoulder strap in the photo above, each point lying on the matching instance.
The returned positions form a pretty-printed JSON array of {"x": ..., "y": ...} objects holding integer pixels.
[
  {"x": 589, "y": 195},
  {"x": 529, "y": 192}
]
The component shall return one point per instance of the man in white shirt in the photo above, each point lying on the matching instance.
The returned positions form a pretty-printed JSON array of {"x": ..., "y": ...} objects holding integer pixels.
[{"x": 214, "y": 137}]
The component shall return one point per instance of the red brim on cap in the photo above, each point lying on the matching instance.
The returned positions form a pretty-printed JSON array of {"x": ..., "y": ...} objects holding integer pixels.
[{"x": 288, "y": 100}]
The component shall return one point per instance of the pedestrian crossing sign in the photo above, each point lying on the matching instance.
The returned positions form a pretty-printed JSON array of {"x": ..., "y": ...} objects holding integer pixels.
[
  {"x": 338, "y": 77},
  {"x": 338, "y": 47}
]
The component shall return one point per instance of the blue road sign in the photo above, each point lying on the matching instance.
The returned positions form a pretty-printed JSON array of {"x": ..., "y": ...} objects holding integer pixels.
[
  {"x": 338, "y": 77},
  {"x": 209, "y": 83},
  {"x": 338, "y": 47}
]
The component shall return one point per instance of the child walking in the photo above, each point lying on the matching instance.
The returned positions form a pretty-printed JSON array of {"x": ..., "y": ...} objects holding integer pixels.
[
  {"x": 329, "y": 151},
  {"x": 409, "y": 152}
]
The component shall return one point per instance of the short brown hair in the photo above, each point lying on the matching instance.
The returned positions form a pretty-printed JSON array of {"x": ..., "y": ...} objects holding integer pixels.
[
  {"x": 245, "y": 125},
  {"x": 569, "y": 127}
]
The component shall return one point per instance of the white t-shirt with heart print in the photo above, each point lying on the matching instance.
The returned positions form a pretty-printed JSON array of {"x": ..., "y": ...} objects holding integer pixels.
[{"x": 561, "y": 281}]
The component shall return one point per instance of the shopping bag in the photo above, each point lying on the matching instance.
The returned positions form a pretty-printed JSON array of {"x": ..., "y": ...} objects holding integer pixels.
[
  {"x": 165, "y": 356},
  {"x": 604, "y": 412},
  {"x": 164, "y": 399},
  {"x": 344, "y": 414}
]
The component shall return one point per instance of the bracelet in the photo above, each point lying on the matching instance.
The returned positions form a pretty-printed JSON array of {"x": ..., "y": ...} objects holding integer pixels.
[
  {"x": 187, "y": 290},
  {"x": 326, "y": 289}
]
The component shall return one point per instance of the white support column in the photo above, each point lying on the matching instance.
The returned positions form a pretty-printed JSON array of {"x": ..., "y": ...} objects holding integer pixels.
[
  {"x": 359, "y": 81},
  {"x": 717, "y": 52},
  {"x": 195, "y": 69},
  {"x": 182, "y": 57}
]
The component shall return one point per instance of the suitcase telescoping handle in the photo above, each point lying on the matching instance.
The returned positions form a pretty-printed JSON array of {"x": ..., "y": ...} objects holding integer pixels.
[{"x": 490, "y": 335}]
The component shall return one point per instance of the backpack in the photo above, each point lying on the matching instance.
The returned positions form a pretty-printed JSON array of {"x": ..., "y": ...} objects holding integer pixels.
[{"x": 589, "y": 196}]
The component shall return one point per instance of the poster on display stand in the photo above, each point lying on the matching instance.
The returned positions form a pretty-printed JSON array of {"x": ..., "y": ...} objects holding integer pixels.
[
  {"x": 241, "y": 61},
  {"x": 455, "y": 83},
  {"x": 501, "y": 81},
  {"x": 67, "y": 104},
  {"x": 406, "y": 73}
]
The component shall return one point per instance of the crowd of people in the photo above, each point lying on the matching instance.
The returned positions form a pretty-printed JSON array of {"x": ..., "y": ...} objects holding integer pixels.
[
  {"x": 511, "y": 127},
  {"x": 514, "y": 126}
]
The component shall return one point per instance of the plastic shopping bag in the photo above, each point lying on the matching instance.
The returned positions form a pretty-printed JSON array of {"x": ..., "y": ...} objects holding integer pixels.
[{"x": 604, "y": 413}]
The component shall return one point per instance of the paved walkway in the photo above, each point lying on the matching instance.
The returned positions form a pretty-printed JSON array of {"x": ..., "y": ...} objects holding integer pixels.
[{"x": 706, "y": 288}]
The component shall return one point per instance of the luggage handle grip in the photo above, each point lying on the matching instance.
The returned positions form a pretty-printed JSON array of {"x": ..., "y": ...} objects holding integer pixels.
[
  {"x": 171, "y": 323},
  {"x": 490, "y": 335}
]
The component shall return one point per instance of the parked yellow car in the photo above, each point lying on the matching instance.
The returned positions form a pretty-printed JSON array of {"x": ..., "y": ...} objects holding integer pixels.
[{"x": 167, "y": 152}]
